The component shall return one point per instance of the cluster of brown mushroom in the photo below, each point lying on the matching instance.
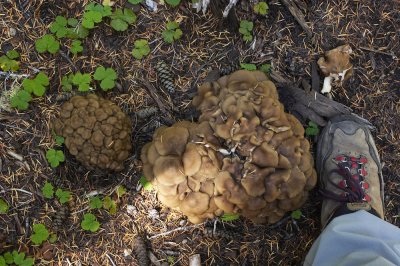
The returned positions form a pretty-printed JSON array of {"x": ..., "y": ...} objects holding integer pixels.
[
  {"x": 96, "y": 131},
  {"x": 245, "y": 155}
]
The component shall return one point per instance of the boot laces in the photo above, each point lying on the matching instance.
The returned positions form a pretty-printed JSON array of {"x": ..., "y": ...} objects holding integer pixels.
[{"x": 353, "y": 184}]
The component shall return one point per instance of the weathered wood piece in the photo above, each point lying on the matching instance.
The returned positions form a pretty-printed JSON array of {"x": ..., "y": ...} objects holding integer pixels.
[{"x": 298, "y": 15}]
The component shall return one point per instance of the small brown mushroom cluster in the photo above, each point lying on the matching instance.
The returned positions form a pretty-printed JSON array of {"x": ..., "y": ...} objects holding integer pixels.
[
  {"x": 96, "y": 131},
  {"x": 246, "y": 155}
]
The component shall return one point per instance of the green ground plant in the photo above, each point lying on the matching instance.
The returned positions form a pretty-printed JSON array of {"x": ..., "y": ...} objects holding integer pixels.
[
  {"x": 59, "y": 27},
  {"x": 245, "y": 29},
  {"x": 7, "y": 62},
  {"x": 296, "y": 214},
  {"x": 21, "y": 100},
  {"x": 40, "y": 234},
  {"x": 3, "y": 206},
  {"x": 146, "y": 184},
  {"x": 63, "y": 195},
  {"x": 90, "y": 223},
  {"x": 66, "y": 82},
  {"x": 94, "y": 14},
  {"x": 54, "y": 157},
  {"x": 17, "y": 258},
  {"x": 38, "y": 85},
  {"x": 82, "y": 81},
  {"x": 122, "y": 18},
  {"x": 228, "y": 217},
  {"x": 106, "y": 76},
  {"x": 95, "y": 203},
  {"x": 135, "y": 2},
  {"x": 261, "y": 8},
  {"x": 141, "y": 49},
  {"x": 47, "y": 43},
  {"x": 76, "y": 47},
  {"x": 312, "y": 129},
  {"x": 48, "y": 190},
  {"x": 110, "y": 205},
  {"x": 173, "y": 3},
  {"x": 249, "y": 67},
  {"x": 172, "y": 32}
]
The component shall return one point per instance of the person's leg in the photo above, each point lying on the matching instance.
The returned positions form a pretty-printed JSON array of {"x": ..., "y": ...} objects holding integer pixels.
[{"x": 350, "y": 179}]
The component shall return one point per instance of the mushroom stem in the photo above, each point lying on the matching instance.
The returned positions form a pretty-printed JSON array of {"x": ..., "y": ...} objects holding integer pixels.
[{"x": 327, "y": 87}]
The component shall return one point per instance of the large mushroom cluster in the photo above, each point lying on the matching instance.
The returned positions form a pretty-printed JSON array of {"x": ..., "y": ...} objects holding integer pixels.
[
  {"x": 96, "y": 131},
  {"x": 245, "y": 155}
]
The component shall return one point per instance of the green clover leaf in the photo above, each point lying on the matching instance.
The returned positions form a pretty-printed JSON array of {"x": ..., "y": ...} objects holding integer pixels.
[
  {"x": 246, "y": 25},
  {"x": 47, "y": 44},
  {"x": 110, "y": 205},
  {"x": 76, "y": 47},
  {"x": 48, "y": 190},
  {"x": 135, "y": 2},
  {"x": 7, "y": 62},
  {"x": 12, "y": 54},
  {"x": 3, "y": 206},
  {"x": 296, "y": 214},
  {"x": 261, "y": 8},
  {"x": 54, "y": 157},
  {"x": 172, "y": 32},
  {"x": 40, "y": 234},
  {"x": 63, "y": 196},
  {"x": 21, "y": 100},
  {"x": 266, "y": 68},
  {"x": 90, "y": 18},
  {"x": 2, "y": 261},
  {"x": 227, "y": 217},
  {"x": 73, "y": 22},
  {"x": 103, "y": 10},
  {"x": 66, "y": 82},
  {"x": 121, "y": 190},
  {"x": 173, "y": 3},
  {"x": 312, "y": 129},
  {"x": 37, "y": 85},
  {"x": 59, "y": 27},
  {"x": 145, "y": 183},
  {"x": 95, "y": 203},
  {"x": 107, "y": 76},
  {"x": 120, "y": 19},
  {"x": 8, "y": 257},
  {"x": 141, "y": 49},
  {"x": 59, "y": 140},
  {"x": 90, "y": 223},
  {"x": 249, "y": 67},
  {"x": 82, "y": 81}
]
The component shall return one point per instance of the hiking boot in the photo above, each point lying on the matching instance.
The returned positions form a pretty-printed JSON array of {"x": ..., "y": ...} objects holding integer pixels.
[{"x": 349, "y": 169}]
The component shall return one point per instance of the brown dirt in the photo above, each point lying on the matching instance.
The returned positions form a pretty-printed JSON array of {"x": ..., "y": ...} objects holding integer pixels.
[{"x": 370, "y": 27}]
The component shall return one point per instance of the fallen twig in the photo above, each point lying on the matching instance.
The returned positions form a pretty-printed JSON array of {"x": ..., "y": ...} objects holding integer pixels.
[
  {"x": 379, "y": 52},
  {"x": 12, "y": 75},
  {"x": 176, "y": 230},
  {"x": 298, "y": 15}
]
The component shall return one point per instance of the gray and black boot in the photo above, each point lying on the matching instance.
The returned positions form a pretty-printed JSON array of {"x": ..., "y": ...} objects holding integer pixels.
[{"x": 349, "y": 169}]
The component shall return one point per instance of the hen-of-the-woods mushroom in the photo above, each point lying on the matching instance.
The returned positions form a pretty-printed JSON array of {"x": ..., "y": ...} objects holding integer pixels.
[
  {"x": 245, "y": 155},
  {"x": 335, "y": 65},
  {"x": 96, "y": 131}
]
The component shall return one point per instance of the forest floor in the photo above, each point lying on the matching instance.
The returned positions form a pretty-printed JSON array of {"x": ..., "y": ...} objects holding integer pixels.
[{"x": 373, "y": 92}]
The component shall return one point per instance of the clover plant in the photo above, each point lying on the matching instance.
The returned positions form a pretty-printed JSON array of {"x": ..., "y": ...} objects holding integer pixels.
[
  {"x": 7, "y": 62},
  {"x": 90, "y": 223},
  {"x": 141, "y": 49},
  {"x": 172, "y": 32},
  {"x": 40, "y": 234},
  {"x": 261, "y": 8},
  {"x": 47, "y": 44},
  {"x": 106, "y": 76},
  {"x": 82, "y": 81},
  {"x": 54, "y": 157},
  {"x": 173, "y": 3},
  {"x": 76, "y": 47},
  {"x": 122, "y": 18},
  {"x": 245, "y": 29}
]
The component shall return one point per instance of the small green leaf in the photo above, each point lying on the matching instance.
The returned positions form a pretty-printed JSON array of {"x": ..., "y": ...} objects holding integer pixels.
[
  {"x": 76, "y": 47},
  {"x": 95, "y": 203},
  {"x": 135, "y": 2},
  {"x": 261, "y": 8},
  {"x": 312, "y": 129},
  {"x": 27, "y": 262},
  {"x": 48, "y": 190},
  {"x": 73, "y": 22},
  {"x": 141, "y": 49},
  {"x": 249, "y": 67},
  {"x": 53, "y": 238},
  {"x": 120, "y": 19},
  {"x": 59, "y": 27},
  {"x": 90, "y": 18},
  {"x": 227, "y": 217},
  {"x": 172, "y": 32},
  {"x": 21, "y": 100},
  {"x": 173, "y": 3},
  {"x": 18, "y": 258},
  {"x": 246, "y": 25},
  {"x": 8, "y": 257},
  {"x": 47, "y": 44},
  {"x": 12, "y": 54},
  {"x": 3, "y": 206},
  {"x": 296, "y": 214},
  {"x": 66, "y": 82},
  {"x": 37, "y": 85},
  {"x": 247, "y": 37},
  {"x": 8, "y": 64},
  {"x": 110, "y": 205},
  {"x": 59, "y": 140},
  {"x": 54, "y": 157},
  {"x": 40, "y": 234},
  {"x": 2, "y": 261},
  {"x": 90, "y": 223},
  {"x": 266, "y": 68},
  {"x": 82, "y": 81},
  {"x": 63, "y": 196},
  {"x": 146, "y": 184},
  {"x": 107, "y": 76},
  {"x": 121, "y": 190}
]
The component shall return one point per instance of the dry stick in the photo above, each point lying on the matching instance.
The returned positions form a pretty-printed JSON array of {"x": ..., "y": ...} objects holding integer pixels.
[
  {"x": 175, "y": 230},
  {"x": 154, "y": 95},
  {"x": 379, "y": 52},
  {"x": 298, "y": 15}
]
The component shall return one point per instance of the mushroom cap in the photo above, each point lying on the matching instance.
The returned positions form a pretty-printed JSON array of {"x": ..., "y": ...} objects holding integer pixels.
[
  {"x": 246, "y": 155},
  {"x": 96, "y": 131},
  {"x": 336, "y": 61}
]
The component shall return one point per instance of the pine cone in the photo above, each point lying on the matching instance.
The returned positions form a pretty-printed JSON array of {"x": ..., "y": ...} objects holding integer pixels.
[
  {"x": 228, "y": 69},
  {"x": 140, "y": 249},
  {"x": 59, "y": 217},
  {"x": 165, "y": 76},
  {"x": 146, "y": 112},
  {"x": 221, "y": 233}
]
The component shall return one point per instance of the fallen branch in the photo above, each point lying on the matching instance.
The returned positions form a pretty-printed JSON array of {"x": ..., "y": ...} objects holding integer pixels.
[{"x": 298, "y": 15}]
